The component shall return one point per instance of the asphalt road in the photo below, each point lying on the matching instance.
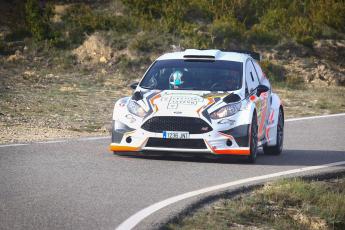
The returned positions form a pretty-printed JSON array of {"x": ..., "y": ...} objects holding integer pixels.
[{"x": 79, "y": 184}]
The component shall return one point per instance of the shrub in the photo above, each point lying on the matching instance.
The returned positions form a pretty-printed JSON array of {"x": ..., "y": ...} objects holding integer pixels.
[
  {"x": 38, "y": 19},
  {"x": 276, "y": 73},
  {"x": 226, "y": 30},
  {"x": 118, "y": 41},
  {"x": 328, "y": 12},
  {"x": 306, "y": 41},
  {"x": 132, "y": 68},
  {"x": 275, "y": 20},
  {"x": 81, "y": 19},
  {"x": 295, "y": 82},
  {"x": 17, "y": 34},
  {"x": 302, "y": 30},
  {"x": 150, "y": 42},
  {"x": 2, "y": 46},
  {"x": 258, "y": 35},
  {"x": 196, "y": 36},
  {"x": 174, "y": 15}
]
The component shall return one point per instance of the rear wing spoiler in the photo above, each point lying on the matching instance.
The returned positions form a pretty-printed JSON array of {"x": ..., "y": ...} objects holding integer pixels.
[{"x": 253, "y": 54}]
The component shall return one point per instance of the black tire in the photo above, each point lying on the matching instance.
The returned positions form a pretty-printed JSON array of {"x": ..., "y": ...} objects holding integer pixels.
[
  {"x": 278, "y": 148},
  {"x": 253, "y": 140}
]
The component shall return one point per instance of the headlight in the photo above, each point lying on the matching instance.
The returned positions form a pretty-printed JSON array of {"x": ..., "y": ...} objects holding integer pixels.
[
  {"x": 226, "y": 111},
  {"x": 134, "y": 108}
]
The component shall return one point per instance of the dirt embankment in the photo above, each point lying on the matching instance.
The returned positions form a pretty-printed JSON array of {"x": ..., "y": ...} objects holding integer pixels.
[{"x": 322, "y": 65}]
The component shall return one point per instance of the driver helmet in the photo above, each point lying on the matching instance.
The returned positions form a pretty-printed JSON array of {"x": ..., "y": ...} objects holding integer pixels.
[{"x": 175, "y": 79}]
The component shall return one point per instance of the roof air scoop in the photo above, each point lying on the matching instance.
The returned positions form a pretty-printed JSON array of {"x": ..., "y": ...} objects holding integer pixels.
[{"x": 201, "y": 54}]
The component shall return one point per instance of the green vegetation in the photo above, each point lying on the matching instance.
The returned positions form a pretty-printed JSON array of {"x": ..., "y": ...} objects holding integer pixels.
[
  {"x": 217, "y": 24},
  {"x": 286, "y": 204},
  {"x": 38, "y": 19},
  {"x": 222, "y": 24},
  {"x": 81, "y": 19}
]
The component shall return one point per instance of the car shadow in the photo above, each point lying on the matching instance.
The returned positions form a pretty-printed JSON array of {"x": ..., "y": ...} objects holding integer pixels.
[{"x": 287, "y": 157}]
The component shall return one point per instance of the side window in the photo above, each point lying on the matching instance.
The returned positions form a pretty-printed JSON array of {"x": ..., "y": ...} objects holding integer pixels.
[
  {"x": 262, "y": 78},
  {"x": 251, "y": 76}
]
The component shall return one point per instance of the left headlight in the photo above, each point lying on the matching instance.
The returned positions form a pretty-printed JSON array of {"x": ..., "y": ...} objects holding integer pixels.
[
  {"x": 226, "y": 111},
  {"x": 134, "y": 108}
]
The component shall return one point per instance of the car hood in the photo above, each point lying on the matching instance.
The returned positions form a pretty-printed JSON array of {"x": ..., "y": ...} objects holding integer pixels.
[{"x": 182, "y": 103}]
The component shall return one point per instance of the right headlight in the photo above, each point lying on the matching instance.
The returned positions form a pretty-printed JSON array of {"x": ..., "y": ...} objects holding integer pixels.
[
  {"x": 226, "y": 111},
  {"x": 134, "y": 108}
]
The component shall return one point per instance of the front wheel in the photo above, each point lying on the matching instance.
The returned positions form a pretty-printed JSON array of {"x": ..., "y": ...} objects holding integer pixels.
[
  {"x": 278, "y": 148},
  {"x": 253, "y": 140}
]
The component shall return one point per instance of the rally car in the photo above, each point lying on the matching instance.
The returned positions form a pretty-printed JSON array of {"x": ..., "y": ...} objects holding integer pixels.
[{"x": 200, "y": 101}]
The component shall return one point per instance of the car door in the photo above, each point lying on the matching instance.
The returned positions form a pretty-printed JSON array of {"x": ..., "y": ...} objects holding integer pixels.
[
  {"x": 260, "y": 101},
  {"x": 264, "y": 97}
]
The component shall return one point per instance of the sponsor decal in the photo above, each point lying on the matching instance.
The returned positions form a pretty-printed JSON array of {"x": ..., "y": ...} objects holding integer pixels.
[{"x": 176, "y": 100}]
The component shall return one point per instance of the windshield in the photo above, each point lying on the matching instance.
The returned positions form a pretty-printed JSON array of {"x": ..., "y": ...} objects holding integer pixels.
[{"x": 194, "y": 75}]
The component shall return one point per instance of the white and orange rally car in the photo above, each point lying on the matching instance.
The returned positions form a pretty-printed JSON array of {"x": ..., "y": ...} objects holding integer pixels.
[{"x": 200, "y": 101}]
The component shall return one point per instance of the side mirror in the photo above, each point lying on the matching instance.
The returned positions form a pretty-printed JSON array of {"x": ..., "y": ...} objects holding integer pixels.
[
  {"x": 137, "y": 96},
  {"x": 134, "y": 85},
  {"x": 261, "y": 89}
]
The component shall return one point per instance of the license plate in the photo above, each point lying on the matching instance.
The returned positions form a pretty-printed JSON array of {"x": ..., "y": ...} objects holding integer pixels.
[{"x": 175, "y": 135}]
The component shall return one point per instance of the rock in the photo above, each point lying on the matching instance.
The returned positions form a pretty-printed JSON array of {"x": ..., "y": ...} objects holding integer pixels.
[
  {"x": 102, "y": 60},
  {"x": 15, "y": 57},
  {"x": 310, "y": 77},
  {"x": 321, "y": 67},
  {"x": 29, "y": 74},
  {"x": 94, "y": 50}
]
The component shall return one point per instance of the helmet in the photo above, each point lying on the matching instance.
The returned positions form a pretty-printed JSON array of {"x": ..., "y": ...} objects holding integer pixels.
[{"x": 175, "y": 79}]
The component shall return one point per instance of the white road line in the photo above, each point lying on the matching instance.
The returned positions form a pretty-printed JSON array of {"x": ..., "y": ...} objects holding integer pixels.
[
  {"x": 58, "y": 141},
  {"x": 93, "y": 138},
  {"x": 315, "y": 117},
  {"x": 132, "y": 221},
  {"x": 108, "y": 137},
  {"x": 49, "y": 142},
  {"x": 10, "y": 145}
]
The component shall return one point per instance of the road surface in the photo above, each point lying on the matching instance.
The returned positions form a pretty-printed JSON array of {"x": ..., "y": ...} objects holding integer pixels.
[{"x": 79, "y": 184}]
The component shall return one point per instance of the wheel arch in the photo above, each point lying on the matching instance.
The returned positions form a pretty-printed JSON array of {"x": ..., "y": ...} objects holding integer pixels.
[
  {"x": 271, "y": 131},
  {"x": 250, "y": 113}
]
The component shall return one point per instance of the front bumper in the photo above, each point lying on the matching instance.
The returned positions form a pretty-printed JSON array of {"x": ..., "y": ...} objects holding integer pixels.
[{"x": 234, "y": 141}]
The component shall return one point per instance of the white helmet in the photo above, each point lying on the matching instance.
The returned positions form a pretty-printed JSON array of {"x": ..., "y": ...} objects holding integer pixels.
[{"x": 175, "y": 78}]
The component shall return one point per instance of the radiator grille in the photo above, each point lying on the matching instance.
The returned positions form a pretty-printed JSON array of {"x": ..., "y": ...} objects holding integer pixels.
[{"x": 190, "y": 124}]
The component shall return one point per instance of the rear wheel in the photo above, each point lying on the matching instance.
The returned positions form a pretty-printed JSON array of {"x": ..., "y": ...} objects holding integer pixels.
[
  {"x": 278, "y": 148},
  {"x": 253, "y": 140}
]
